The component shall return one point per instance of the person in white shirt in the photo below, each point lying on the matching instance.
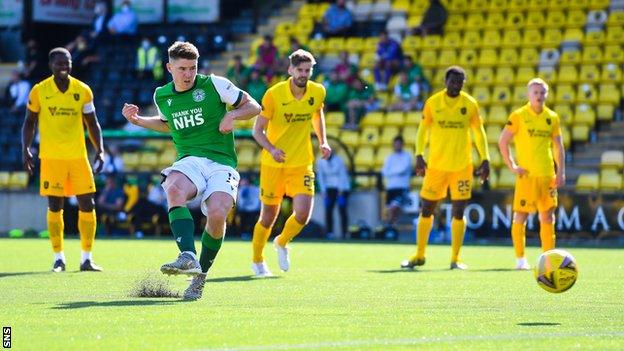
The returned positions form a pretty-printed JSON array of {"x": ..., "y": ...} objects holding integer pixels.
[
  {"x": 17, "y": 92},
  {"x": 397, "y": 171},
  {"x": 334, "y": 183}
]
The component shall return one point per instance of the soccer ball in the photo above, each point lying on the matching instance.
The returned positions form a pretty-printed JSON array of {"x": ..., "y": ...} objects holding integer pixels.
[{"x": 556, "y": 271}]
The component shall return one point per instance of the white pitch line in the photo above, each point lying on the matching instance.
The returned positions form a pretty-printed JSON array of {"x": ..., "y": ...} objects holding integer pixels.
[{"x": 413, "y": 341}]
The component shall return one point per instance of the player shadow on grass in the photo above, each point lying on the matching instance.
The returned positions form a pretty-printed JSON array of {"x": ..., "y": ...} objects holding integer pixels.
[
  {"x": 240, "y": 278},
  {"x": 404, "y": 270},
  {"x": 495, "y": 270},
  {"x": 538, "y": 324},
  {"x": 14, "y": 274},
  {"x": 123, "y": 303}
]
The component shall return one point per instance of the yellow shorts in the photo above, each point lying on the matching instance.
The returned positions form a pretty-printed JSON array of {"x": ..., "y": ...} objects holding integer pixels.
[
  {"x": 277, "y": 182},
  {"x": 436, "y": 184},
  {"x": 66, "y": 177},
  {"x": 535, "y": 194}
]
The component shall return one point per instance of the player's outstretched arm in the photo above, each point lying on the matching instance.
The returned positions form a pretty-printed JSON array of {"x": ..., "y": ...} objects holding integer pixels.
[
  {"x": 131, "y": 113},
  {"x": 318, "y": 122},
  {"x": 95, "y": 136},
  {"x": 262, "y": 140},
  {"x": 28, "y": 134},
  {"x": 247, "y": 108}
]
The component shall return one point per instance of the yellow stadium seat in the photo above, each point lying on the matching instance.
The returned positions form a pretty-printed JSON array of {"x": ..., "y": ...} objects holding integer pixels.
[
  {"x": 531, "y": 38},
  {"x": 592, "y": 54},
  {"x": 565, "y": 94},
  {"x": 304, "y": 27},
  {"x": 395, "y": 119},
  {"x": 512, "y": 38},
  {"x": 350, "y": 138},
  {"x": 508, "y": 57},
  {"x": 538, "y": 5},
  {"x": 616, "y": 18},
  {"x": 332, "y": 131},
  {"x": 130, "y": 160},
  {"x": 565, "y": 113},
  {"x": 577, "y": 4},
  {"x": 496, "y": 160},
  {"x": 482, "y": 95},
  {"x": 475, "y": 21},
  {"x": 317, "y": 46},
  {"x": 493, "y": 133},
  {"x": 515, "y": 19},
  {"x": 497, "y": 6},
  {"x": 519, "y": 97},
  {"x": 471, "y": 39},
  {"x": 594, "y": 37},
  {"x": 367, "y": 60},
  {"x": 501, "y": 95},
  {"x": 586, "y": 93},
  {"x": 488, "y": 58},
  {"x": 335, "y": 118},
  {"x": 447, "y": 57},
  {"x": 584, "y": 114},
  {"x": 506, "y": 179},
  {"x": 365, "y": 182},
  {"x": 555, "y": 19},
  {"x": 615, "y": 35},
  {"x": 18, "y": 180},
  {"x": 4, "y": 179},
  {"x": 598, "y": 4},
  {"x": 567, "y": 137},
  {"x": 568, "y": 74},
  {"x": 401, "y": 6},
  {"x": 528, "y": 56},
  {"x": 611, "y": 73},
  {"x": 610, "y": 180},
  {"x": 570, "y": 57},
  {"x": 580, "y": 132},
  {"x": 148, "y": 161},
  {"x": 491, "y": 39},
  {"x": 381, "y": 155},
  {"x": 495, "y": 20},
  {"x": 411, "y": 43},
  {"x": 613, "y": 54},
  {"x": 167, "y": 158},
  {"x": 497, "y": 115},
  {"x": 608, "y": 93},
  {"x": 409, "y": 133},
  {"x": 576, "y": 19},
  {"x": 589, "y": 73},
  {"x": 612, "y": 159},
  {"x": 451, "y": 40},
  {"x": 369, "y": 136},
  {"x": 284, "y": 29},
  {"x": 428, "y": 58},
  {"x": 413, "y": 118},
  {"x": 307, "y": 10},
  {"x": 484, "y": 76},
  {"x": 334, "y": 45},
  {"x": 535, "y": 19},
  {"x": 573, "y": 35},
  {"x": 504, "y": 75},
  {"x": 354, "y": 45},
  {"x": 552, "y": 37},
  {"x": 455, "y": 22},
  {"x": 587, "y": 182},
  {"x": 549, "y": 74},
  {"x": 468, "y": 58},
  {"x": 432, "y": 41},
  {"x": 246, "y": 158},
  {"x": 320, "y": 11},
  {"x": 387, "y": 135},
  {"x": 364, "y": 158},
  {"x": 604, "y": 112}
]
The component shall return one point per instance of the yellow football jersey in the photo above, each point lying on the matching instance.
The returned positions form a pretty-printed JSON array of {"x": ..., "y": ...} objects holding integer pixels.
[
  {"x": 450, "y": 121},
  {"x": 290, "y": 122},
  {"x": 61, "y": 130},
  {"x": 533, "y": 136}
]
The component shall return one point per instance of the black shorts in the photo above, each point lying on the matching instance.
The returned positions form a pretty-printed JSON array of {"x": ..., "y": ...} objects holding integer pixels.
[{"x": 397, "y": 197}]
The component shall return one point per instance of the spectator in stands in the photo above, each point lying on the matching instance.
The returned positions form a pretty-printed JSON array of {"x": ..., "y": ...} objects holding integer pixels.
[
  {"x": 337, "y": 92},
  {"x": 397, "y": 171},
  {"x": 415, "y": 74},
  {"x": 407, "y": 95},
  {"x": 113, "y": 163},
  {"x": 338, "y": 20},
  {"x": 389, "y": 59},
  {"x": 98, "y": 33},
  {"x": 247, "y": 206},
  {"x": 124, "y": 22},
  {"x": 433, "y": 20},
  {"x": 238, "y": 73},
  {"x": 35, "y": 67},
  {"x": 334, "y": 183},
  {"x": 361, "y": 100},
  {"x": 268, "y": 60},
  {"x": 16, "y": 96},
  {"x": 83, "y": 55},
  {"x": 346, "y": 70},
  {"x": 149, "y": 61},
  {"x": 256, "y": 87},
  {"x": 111, "y": 203}
]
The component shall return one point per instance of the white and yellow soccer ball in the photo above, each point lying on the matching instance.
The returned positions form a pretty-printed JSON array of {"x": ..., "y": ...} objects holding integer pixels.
[{"x": 556, "y": 271}]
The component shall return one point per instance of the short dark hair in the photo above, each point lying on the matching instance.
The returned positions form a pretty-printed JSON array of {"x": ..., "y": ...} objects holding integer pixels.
[
  {"x": 454, "y": 70},
  {"x": 398, "y": 138},
  {"x": 300, "y": 56},
  {"x": 183, "y": 50},
  {"x": 58, "y": 51}
]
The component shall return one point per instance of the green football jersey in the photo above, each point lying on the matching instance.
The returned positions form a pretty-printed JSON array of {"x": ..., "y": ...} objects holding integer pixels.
[{"x": 193, "y": 116}]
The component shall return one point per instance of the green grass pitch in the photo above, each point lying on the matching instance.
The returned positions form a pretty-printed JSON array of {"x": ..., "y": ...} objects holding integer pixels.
[{"x": 337, "y": 296}]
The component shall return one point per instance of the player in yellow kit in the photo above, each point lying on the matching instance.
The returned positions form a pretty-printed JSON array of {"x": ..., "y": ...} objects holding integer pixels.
[
  {"x": 536, "y": 132},
  {"x": 448, "y": 117},
  {"x": 60, "y": 105},
  {"x": 289, "y": 111}
]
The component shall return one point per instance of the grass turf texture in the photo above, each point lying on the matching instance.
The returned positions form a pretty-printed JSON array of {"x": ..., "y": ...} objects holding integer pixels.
[{"x": 336, "y": 296}]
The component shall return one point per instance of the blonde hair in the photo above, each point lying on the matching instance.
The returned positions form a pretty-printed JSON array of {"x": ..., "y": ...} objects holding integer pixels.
[{"x": 538, "y": 81}]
